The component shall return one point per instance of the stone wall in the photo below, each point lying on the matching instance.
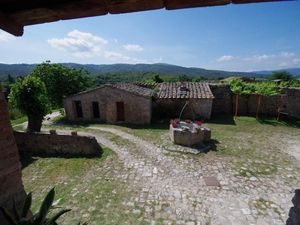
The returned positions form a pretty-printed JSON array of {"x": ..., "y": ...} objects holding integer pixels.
[
  {"x": 138, "y": 109},
  {"x": 57, "y": 145},
  {"x": 171, "y": 108},
  {"x": 11, "y": 186},
  {"x": 292, "y": 101},
  {"x": 248, "y": 105},
  {"x": 224, "y": 102}
]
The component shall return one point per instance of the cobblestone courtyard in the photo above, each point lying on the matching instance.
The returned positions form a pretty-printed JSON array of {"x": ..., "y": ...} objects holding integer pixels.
[{"x": 165, "y": 186}]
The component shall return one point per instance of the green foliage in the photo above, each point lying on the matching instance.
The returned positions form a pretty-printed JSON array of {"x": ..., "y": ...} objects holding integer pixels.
[
  {"x": 291, "y": 83},
  {"x": 40, "y": 218},
  {"x": 238, "y": 87},
  {"x": 282, "y": 75},
  {"x": 29, "y": 95},
  {"x": 61, "y": 81},
  {"x": 262, "y": 88},
  {"x": 198, "y": 79},
  {"x": 183, "y": 78},
  {"x": 266, "y": 88}
]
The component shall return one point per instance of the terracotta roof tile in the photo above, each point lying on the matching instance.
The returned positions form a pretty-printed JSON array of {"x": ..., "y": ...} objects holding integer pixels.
[
  {"x": 133, "y": 88},
  {"x": 184, "y": 90}
]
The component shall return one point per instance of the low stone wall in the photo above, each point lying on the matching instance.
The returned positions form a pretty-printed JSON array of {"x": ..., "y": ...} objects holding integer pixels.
[{"x": 57, "y": 145}]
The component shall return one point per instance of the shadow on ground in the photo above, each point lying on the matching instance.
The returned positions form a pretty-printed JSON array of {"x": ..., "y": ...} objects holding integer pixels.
[
  {"x": 26, "y": 158},
  {"x": 222, "y": 119},
  {"x": 290, "y": 122}
]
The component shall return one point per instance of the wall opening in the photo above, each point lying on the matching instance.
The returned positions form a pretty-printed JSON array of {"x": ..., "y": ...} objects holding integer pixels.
[
  {"x": 96, "y": 111},
  {"x": 78, "y": 109},
  {"x": 120, "y": 111}
]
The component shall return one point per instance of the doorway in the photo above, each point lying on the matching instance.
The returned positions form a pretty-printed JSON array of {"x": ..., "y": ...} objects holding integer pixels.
[
  {"x": 120, "y": 111},
  {"x": 96, "y": 112},
  {"x": 78, "y": 108}
]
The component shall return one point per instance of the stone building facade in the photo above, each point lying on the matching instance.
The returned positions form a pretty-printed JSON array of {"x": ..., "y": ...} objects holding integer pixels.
[
  {"x": 11, "y": 186},
  {"x": 113, "y": 103},
  {"x": 193, "y": 99}
]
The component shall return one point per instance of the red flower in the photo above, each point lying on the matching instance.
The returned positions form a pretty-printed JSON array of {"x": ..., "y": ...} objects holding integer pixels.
[
  {"x": 198, "y": 122},
  {"x": 173, "y": 123}
]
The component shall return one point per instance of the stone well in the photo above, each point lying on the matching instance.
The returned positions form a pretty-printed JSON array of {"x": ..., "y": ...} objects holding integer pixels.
[{"x": 189, "y": 134}]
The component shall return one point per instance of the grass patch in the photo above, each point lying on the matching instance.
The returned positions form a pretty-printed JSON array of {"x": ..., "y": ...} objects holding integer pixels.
[
  {"x": 258, "y": 169},
  {"x": 262, "y": 206},
  {"x": 86, "y": 185},
  {"x": 19, "y": 120}
]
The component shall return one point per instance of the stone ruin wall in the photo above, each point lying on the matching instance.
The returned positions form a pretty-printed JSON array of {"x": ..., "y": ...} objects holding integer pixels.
[
  {"x": 11, "y": 186},
  {"x": 224, "y": 102},
  {"x": 57, "y": 144}
]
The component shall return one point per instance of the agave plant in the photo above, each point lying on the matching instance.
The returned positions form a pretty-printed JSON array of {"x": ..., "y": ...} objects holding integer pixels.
[{"x": 40, "y": 218}]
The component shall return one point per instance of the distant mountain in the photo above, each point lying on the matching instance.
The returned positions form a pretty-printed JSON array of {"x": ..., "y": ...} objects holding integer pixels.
[
  {"x": 160, "y": 68},
  {"x": 293, "y": 71}
]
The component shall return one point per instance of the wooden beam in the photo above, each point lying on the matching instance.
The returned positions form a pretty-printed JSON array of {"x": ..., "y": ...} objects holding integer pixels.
[
  {"x": 179, "y": 4},
  {"x": 255, "y": 1},
  {"x": 126, "y": 6},
  {"x": 10, "y": 25}
]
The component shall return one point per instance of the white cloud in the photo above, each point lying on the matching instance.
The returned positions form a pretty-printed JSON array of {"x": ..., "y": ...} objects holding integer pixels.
[
  {"x": 79, "y": 44},
  {"x": 5, "y": 37},
  {"x": 86, "y": 45},
  {"x": 225, "y": 58},
  {"x": 133, "y": 48},
  {"x": 260, "y": 62}
]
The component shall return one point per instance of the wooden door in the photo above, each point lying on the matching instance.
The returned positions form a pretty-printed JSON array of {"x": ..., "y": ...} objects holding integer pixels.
[
  {"x": 96, "y": 112},
  {"x": 120, "y": 111},
  {"x": 78, "y": 108}
]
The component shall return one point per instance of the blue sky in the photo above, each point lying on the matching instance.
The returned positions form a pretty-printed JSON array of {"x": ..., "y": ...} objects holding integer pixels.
[{"x": 248, "y": 37}]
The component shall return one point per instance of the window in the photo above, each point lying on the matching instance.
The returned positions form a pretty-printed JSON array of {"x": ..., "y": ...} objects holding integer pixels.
[
  {"x": 78, "y": 108},
  {"x": 96, "y": 112}
]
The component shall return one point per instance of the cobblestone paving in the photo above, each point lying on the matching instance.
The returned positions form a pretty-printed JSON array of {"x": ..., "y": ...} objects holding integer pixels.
[{"x": 172, "y": 189}]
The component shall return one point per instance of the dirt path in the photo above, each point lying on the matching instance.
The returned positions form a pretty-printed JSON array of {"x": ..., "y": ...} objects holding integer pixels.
[{"x": 174, "y": 188}]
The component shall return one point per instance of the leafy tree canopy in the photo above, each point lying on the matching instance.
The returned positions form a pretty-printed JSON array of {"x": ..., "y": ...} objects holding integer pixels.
[
  {"x": 61, "y": 81},
  {"x": 29, "y": 95},
  {"x": 282, "y": 75}
]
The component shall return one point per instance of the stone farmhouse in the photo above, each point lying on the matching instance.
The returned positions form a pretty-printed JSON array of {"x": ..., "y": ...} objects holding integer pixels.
[{"x": 132, "y": 103}]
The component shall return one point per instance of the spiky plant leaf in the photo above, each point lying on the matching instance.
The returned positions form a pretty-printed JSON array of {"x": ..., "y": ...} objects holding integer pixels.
[
  {"x": 45, "y": 207},
  {"x": 27, "y": 205},
  {"x": 8, "y": 216},
  {"x": 56, "y": 216},
  {"x": 15, "y": 211}
]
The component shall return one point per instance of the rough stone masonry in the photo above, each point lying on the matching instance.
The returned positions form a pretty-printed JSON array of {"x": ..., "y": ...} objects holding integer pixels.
[{"x": 11, "y": 186}]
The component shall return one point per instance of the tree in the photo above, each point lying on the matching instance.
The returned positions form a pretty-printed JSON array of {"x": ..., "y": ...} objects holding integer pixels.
[
  {"x": 236, "y": 87},
  {"x": 156, "y": 78},
  {"x": 61, "y": 81},
  {"x": 10, "y": 79},
  {"x": 282, "y": 75},
  {"x": 264, "y": 89},
  {"x": 29, "y": 95}
]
